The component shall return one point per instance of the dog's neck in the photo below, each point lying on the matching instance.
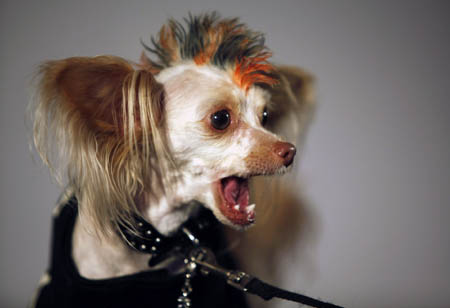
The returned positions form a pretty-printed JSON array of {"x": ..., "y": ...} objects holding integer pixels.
[
  {"x": 163, "y": 215},
  {"x": 101, "y": 258},
  {"x": 97, "y": 258}
]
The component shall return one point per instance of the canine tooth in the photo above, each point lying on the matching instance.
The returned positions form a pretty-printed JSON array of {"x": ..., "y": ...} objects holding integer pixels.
[
  {"x": 237, "y": 207},
  {"x": 250, "y": 208}
]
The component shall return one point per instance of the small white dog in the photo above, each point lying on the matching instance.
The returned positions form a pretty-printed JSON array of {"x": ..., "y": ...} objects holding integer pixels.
[{"x": 145, "y": 140}]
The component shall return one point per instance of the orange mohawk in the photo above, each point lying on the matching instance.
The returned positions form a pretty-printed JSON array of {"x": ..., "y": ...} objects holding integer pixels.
[{"x": 224, "y": 43}]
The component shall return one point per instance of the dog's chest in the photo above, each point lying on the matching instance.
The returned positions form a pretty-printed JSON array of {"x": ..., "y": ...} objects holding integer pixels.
[{"x": 67, "y": 288}]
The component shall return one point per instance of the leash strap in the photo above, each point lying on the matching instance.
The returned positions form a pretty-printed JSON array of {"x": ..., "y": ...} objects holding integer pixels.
[
  {"x": 205, "y": 258},
  {"x": 267, "y": 292}
]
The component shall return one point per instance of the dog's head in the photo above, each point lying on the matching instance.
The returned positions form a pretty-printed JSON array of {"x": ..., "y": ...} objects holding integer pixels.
[
  {"x": 148, "y": 138},
  {"x": 217, "y": 136}
]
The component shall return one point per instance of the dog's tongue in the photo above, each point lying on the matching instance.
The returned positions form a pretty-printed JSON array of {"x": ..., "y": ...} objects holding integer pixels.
[
  {"x": 235, "y": 191},
  {"x": 235, "y": 196}
]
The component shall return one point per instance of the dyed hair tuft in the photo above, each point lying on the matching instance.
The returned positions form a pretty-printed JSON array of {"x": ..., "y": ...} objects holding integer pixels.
[{"x": 209, "y": 39}]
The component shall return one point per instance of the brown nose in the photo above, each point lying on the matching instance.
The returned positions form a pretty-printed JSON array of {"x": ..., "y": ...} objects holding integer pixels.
[{"x": 286, "y": 151}]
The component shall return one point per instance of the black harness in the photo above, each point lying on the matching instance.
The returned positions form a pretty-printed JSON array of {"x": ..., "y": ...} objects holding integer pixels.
[
  {"x": 159, "y": 286},
  {"x": 201, "y": 272}
]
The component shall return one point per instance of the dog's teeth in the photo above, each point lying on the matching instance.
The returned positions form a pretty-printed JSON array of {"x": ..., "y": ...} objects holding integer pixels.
[
  {"x": 250, "y": 208},
  {"x": 237, "y": 207}
]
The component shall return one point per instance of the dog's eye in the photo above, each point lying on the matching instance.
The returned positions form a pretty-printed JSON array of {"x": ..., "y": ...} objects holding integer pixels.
[
  {"x": 265, "y": 117},
  {"x": 220, "y": 119}
]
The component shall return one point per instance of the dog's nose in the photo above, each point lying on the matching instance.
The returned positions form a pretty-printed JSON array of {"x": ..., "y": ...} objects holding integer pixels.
[{"x": 286, "y": 151}]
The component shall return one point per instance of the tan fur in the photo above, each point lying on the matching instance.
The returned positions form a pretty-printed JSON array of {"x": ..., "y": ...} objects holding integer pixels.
[
  {"x": 262, "y": 159},
  {"x": 100, "y": 116}
]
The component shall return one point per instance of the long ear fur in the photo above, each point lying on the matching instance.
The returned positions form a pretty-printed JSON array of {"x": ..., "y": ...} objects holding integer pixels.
[{"x": 99, "y": 119}]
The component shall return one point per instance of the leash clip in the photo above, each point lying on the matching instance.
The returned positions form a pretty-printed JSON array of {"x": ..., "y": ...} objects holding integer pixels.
[
  {"x": 239, "y": 280},
  {"x": 206, "y": 259}
]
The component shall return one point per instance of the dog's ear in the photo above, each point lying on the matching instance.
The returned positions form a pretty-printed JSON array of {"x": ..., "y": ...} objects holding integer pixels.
[
  {"x": 293, "y": 101},
  {"x": 98, "y": 91},
  {"x": 299, "y": 81},
  {"x": 99, "y": 119}
]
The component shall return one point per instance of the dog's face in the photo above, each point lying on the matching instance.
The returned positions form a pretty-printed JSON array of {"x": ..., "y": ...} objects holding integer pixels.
[{"x": 217, "y": 137}]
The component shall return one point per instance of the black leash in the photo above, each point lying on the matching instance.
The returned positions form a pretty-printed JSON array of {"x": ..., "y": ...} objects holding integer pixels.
[
  {"x": 205, "y": 258},
  {"x": 186, "y": 242},
  {"x": 267, "y": 292}
]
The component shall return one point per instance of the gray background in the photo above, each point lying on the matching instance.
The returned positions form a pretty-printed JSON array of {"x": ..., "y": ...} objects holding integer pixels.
[{"x": 375, "y": 164}]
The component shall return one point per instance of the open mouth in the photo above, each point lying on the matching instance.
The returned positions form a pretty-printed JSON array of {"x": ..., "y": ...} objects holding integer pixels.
[{"x": 234, "y": 195}]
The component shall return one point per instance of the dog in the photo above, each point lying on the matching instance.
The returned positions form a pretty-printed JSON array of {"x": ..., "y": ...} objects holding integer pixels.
[{"x": 155, "y": 142}]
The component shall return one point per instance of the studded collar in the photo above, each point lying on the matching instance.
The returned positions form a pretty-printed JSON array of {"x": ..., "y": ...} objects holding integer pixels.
[{"x": 145, "y": 238}]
